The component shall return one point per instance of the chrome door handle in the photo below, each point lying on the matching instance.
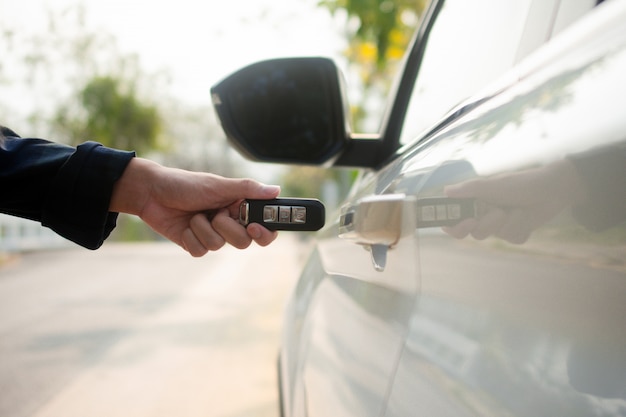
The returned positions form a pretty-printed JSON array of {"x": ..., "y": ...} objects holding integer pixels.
[
  {"x": 379, "y": 222},
  {"x": 376, "y": 220}
]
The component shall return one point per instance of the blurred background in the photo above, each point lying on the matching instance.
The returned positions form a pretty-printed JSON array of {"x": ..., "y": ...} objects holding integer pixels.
[
  {"x": 136, "y": 74},
  {"x": 141, "y": 328}
]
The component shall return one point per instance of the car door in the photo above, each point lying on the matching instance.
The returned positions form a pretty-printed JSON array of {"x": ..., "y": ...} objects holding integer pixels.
[
  {"x": 513, "y": 325},
  {"x": 350, "y": 313},
  {"x": 355, "y": 324}
]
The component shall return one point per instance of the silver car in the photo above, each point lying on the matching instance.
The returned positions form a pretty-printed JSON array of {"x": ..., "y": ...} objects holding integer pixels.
[{"x": 478, "y": 266}]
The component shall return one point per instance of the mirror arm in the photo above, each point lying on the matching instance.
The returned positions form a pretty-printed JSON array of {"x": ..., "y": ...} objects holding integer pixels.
[{"x": 362, "y": 151}]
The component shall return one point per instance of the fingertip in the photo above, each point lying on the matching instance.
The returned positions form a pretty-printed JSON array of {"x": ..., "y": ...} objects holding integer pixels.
[
  {"x": 261, "y": 235},
  {"x": 199, "y": 254},
  {"x": 230, "y": 231},
  {"x": 271, "y": 236},
  {"x": 241, "y": 244},
  {"x": 270, "y": 191},
  {"x": 254, "y": 231},
  {"x": 192, "y": 244},
  {"x": 461, "y": 229}
]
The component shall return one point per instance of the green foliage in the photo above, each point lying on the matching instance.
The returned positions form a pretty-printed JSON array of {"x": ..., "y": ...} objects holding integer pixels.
[
  {"x": 132, "y": 229},
  {"x": 383, "y": 27},
  {"x": 303, "y": 181},
  {"x": 379, "y": 32},
  {"x": 112, "y": 115},
  {"x": 78, "y": 86},
  {"x": 315, "y": 182}
]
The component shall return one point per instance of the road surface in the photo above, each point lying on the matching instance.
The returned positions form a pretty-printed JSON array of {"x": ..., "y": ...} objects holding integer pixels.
[{"x": 138, "y": 330}]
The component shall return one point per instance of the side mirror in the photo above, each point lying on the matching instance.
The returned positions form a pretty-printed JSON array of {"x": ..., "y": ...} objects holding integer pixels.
[{"x": 290, "y": 110}]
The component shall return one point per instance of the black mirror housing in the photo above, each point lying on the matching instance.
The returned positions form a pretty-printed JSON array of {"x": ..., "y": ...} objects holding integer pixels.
[{"x": 290, "y": 110}]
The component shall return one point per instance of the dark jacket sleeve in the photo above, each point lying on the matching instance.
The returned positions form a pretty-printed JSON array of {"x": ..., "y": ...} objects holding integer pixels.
[{"x": 66, "y": 189}]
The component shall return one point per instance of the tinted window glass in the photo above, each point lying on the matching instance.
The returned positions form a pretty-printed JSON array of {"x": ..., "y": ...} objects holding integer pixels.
[{"x": 470, "y": 45}]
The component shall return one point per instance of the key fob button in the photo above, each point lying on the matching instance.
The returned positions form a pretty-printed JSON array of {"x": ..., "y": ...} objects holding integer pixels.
[
  {"x": 298, "y": 215},
  {"x": 270, "y": 214},
  {"x": 454, "y": 211},
  {"x": 284, "y": 215},
  {"x": 444, "y": 211}
]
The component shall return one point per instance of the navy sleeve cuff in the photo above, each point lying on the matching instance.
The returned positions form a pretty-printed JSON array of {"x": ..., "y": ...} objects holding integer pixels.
[{"x": 77, "y": 203}]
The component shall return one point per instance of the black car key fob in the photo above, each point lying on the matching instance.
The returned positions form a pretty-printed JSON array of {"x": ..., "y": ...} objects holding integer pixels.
[
  {"x": 296, "y": 214},
  {"x": 444, "y": 211}
]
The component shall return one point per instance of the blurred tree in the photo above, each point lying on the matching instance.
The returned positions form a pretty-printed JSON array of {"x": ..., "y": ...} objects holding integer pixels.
[
  {"x": 112, "y": 115},
  {"x": 69, "y": 82},
  {"x": 303, "y": 181},
  {"x": 315, "y": 182},
  {"x": 382, "y": 28},
  {"x": 378, "y": 33},
  {"x": 74, "y": 85}
]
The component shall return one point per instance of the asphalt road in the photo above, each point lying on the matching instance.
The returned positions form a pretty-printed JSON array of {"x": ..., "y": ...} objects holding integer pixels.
[{"x": 140, "y": 330}]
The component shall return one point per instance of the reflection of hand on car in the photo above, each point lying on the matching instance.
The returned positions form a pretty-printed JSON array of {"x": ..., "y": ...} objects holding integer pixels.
[{"x": 510, "y": 206}]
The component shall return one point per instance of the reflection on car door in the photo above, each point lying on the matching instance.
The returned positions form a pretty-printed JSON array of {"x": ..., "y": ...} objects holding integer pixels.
[
  {"x": 532, "y": 327},
  {"x": 355, "y": 324}
]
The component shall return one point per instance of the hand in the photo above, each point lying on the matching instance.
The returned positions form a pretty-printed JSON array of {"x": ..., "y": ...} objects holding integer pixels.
[
  {"x": 197, "y": 211},
  {"x": 512, "y": 205}
]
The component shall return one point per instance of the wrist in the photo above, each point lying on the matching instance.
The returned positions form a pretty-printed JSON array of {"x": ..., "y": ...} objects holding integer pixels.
[{"x": 132, "y": 189}]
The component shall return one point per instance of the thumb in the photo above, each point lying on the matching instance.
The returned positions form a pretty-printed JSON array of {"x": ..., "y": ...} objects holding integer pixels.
[
  {"x": 266, "y": 192},
  {"x": 248, "y": 188}
]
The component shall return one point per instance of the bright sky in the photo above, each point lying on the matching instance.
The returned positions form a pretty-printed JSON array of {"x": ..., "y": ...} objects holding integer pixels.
[{"x": 199, "y": 42}]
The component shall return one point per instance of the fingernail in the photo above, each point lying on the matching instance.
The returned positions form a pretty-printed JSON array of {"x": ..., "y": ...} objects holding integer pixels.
[{"x": 270, "y": 189}]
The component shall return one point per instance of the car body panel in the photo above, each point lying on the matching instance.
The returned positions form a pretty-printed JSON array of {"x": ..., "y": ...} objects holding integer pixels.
[
  {"x": 538, "y": 328},
  {"x": 456, "y": 327},
  {"x": 351, "y": 302}
]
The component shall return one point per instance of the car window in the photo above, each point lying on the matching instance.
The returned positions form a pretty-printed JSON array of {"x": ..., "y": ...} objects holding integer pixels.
[
  {"x": 570, "y": 11},
  {"x": 464, "y": 54}
]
